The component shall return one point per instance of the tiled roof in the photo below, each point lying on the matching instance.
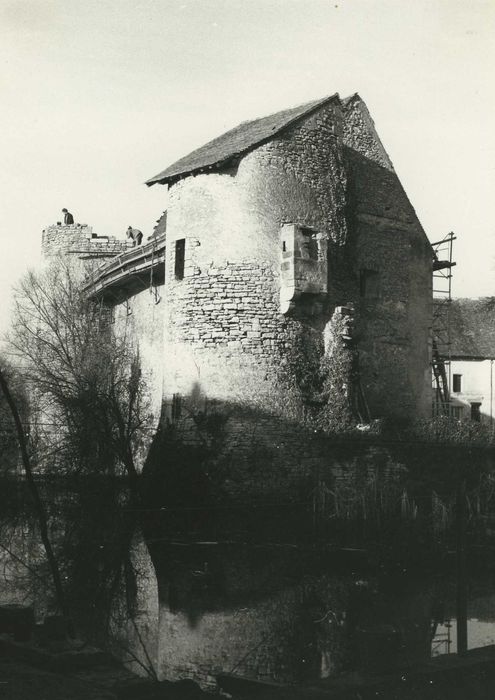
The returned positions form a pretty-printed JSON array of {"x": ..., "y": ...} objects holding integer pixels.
[
  {"x": 236, "y": 142},
  {"x": 472, "y": 328}
]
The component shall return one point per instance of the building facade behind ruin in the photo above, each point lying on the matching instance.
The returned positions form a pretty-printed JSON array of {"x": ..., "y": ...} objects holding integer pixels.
[{"x": 471, "y": 355}]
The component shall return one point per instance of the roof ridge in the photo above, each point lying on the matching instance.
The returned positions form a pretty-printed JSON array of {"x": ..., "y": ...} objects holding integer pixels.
[
  {"x": 315, "y": 103},
  {"x": 238, "y": 140},
  {"x": 346, "y": 100}
]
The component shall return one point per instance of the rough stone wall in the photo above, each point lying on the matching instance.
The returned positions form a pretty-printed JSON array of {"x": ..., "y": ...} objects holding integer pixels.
[
  {"x": 394, "y": 321},
  {"x": 225, "y": 333},
  {"x": 80, "y": 241}
]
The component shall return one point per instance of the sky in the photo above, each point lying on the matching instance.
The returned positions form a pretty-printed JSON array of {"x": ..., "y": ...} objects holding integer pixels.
[{"x": 99, "y": 95}]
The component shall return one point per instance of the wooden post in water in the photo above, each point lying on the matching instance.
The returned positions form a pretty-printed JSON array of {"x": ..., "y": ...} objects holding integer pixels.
[{"x": 462, "y": 640}]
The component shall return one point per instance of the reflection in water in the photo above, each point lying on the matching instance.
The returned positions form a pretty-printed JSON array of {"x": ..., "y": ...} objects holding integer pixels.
[
  {"x": 442, "y": 640},
  {"x": 313, "y": 624},
  {"x": 481, "y": 633},
  {"x": 273, "y": 613}
]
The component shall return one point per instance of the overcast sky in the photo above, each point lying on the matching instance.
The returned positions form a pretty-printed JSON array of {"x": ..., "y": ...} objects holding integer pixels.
[{"x": 99, "y": 95}]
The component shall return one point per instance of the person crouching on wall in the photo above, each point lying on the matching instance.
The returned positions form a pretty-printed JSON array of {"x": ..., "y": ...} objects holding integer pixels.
[{"x": 135, "y": 235}]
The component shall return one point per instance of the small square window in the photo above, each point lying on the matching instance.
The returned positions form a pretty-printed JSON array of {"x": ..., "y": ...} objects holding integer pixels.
[
  {"x": 180, "y": 249},
  {"x": 456, "y": 383}
]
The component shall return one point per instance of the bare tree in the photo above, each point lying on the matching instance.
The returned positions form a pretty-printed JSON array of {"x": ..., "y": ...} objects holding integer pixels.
[
  {"x": 88, "y": 384},
  {"x": 9, "y": 445},
  {"x": 89, "y": 413},
  {"x": 35, "y": 495}
]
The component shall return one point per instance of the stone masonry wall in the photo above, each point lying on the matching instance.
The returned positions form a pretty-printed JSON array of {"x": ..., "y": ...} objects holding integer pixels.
[
  {"x": 233, "y": 343},
  {"x": 225, "y": 333},
  {"x": 394, "y": 320},
  {"x": 79, "y": 240}
]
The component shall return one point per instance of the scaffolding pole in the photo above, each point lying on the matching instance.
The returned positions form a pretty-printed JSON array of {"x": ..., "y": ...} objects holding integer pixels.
[{"x": 441, "y": 341}]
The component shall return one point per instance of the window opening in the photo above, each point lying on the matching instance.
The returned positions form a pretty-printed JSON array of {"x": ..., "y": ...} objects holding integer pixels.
[
  {"x": 176, "y": 407},
  {"x": 369, "y": 284},
  {"x": 456, "y": 383},
  {"x": 475, "y": 412},
  {"x": 310, "y": 243},
  {"x": 180, "y": 249}
]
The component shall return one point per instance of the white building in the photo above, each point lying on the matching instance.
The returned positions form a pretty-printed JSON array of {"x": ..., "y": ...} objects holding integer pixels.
[{"x": 472, "y": 334}]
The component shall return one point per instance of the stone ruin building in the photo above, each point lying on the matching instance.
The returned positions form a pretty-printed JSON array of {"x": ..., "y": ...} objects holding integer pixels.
[
  {"x": 286, "y": 288},
  {"x": 273, "y": 232}
]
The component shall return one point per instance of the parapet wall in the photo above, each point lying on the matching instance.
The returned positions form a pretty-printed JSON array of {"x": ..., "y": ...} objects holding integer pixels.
[{"x": 79, "y": 240}]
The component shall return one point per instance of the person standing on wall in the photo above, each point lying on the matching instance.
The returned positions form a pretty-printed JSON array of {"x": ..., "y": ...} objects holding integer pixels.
[
  {"x": 68, "y": 218},
  {"x": 135, "y": 234}
]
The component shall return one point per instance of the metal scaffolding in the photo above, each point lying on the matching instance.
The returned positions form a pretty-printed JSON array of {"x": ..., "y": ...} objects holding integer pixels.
[{"x": 441, "y": 341}]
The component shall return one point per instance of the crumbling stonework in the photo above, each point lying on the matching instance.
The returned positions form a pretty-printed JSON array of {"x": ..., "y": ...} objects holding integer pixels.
[
  {"x": 78, "y": 240},
  {"x": 225, "y": 328},
  {"x": 260, "y": 252}
]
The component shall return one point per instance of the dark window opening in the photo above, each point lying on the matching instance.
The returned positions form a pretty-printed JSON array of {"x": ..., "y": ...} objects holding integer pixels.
[
  {"x": 284, "y": 246},
  {"x": 369, "y": 284},
  {"x": 456, "y": 383},
  {"x": 310, "y": 243},
  {"x": 176, "y": 407},
  {"x": 180, "y": 249},
  {"x": 475, "y": 412}
]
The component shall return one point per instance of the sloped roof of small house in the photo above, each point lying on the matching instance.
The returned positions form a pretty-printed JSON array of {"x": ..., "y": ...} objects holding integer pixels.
[
  {"x": 472, "y": 328},
  {"x": 236, "y": 142}
]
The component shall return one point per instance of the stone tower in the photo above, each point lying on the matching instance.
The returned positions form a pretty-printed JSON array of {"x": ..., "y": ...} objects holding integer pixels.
[{"x": 273, "y": 227}]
